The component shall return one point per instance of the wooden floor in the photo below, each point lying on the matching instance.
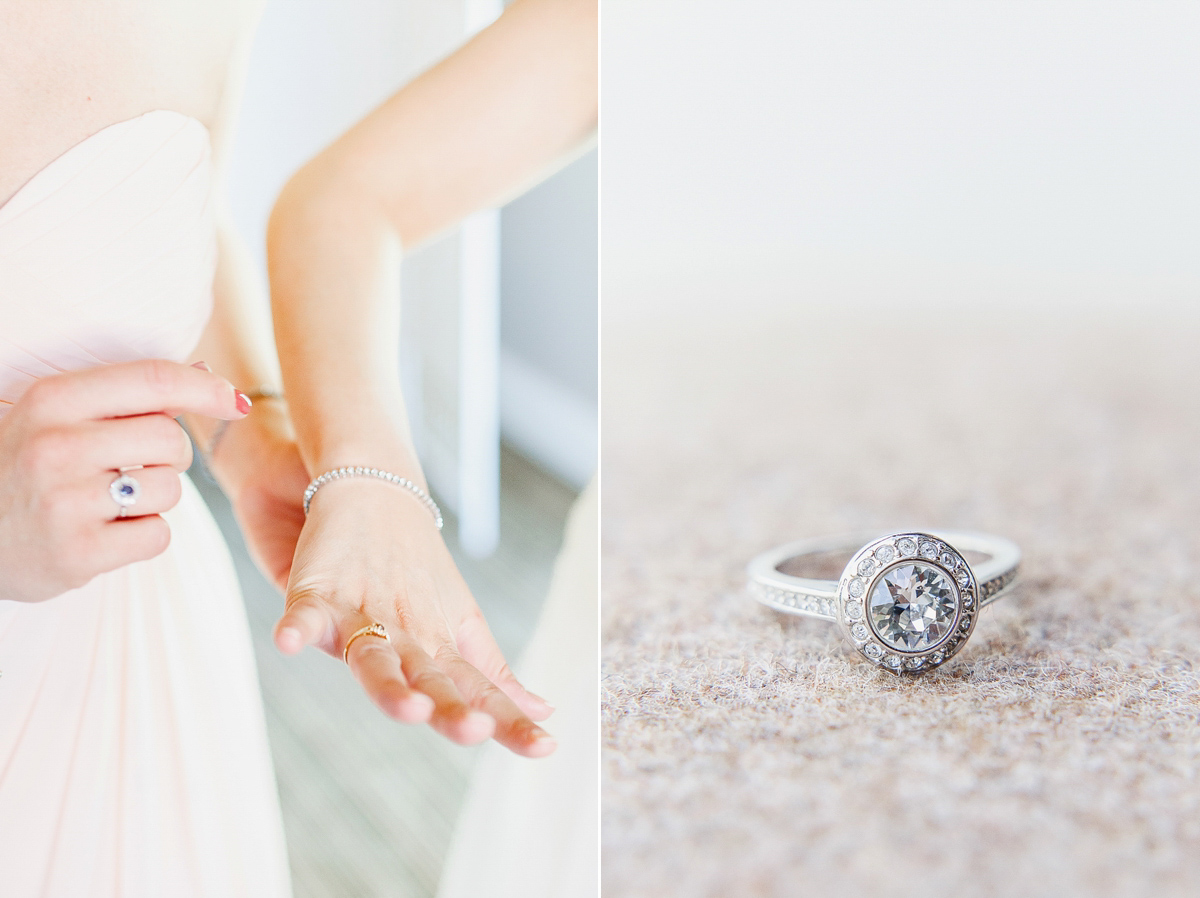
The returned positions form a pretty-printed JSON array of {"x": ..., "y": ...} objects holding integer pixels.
[{"x": 369, "y": 804}]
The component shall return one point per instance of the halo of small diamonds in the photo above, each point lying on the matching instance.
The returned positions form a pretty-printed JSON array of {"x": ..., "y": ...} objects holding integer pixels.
[{"x": 937, "y": 584}]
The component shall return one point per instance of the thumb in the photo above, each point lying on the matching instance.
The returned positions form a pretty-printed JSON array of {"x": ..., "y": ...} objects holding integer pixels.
[{"x": 307, "y": 620}]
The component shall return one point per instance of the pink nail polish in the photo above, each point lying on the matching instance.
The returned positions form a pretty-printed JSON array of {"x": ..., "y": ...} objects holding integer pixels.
[
  {"x": 243, "y": 402},
  {"x": 203, "y": 366}
]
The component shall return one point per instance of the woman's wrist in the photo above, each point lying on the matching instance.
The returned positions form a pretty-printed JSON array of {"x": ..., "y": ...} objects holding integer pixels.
[
  {"x": 212, "y": 436},
  {"x": 366, "y": 432},
  {"x": 243, "y": 451},
  {"x": 392, "y": 457}
]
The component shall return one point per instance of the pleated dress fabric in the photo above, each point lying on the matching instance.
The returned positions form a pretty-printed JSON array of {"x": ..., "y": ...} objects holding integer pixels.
[{"x": 133, "y": 747}]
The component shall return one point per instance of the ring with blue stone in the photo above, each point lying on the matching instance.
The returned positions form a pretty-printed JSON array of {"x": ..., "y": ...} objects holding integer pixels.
[
  {"x": 125, "y": 491},
  {"x": 907, "y": 602}
]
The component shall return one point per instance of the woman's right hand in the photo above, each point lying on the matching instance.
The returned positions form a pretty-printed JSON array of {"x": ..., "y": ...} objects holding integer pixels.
[{"x": 61, "y": 446}]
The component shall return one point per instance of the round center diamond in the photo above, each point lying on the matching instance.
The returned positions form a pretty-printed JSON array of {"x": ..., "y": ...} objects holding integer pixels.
[{"x": 912, "y": 607}]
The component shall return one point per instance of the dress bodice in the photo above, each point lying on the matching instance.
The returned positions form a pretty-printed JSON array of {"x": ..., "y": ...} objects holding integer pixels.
[
  {"x": 133, "y": 749},
  {"x": 107, "y": 254}
]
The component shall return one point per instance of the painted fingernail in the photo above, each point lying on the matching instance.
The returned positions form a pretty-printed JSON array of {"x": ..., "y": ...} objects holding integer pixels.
[
  {"x": 243, "y": 402},
  {"x": 203, "y": 366}
]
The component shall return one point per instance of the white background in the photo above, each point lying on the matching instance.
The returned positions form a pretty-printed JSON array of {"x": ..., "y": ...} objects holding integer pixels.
[{"x": 853, "y": 152}]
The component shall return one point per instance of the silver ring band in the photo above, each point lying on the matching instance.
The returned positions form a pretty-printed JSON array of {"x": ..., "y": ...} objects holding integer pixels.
[{"x": 906, "y": 601}]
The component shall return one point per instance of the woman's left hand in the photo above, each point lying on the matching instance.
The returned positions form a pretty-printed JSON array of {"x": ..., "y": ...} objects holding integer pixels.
[
  {"x": 270, "y": 509},
  {"x": 259, "y": 467},
  {"x": 370, "y": 553}
]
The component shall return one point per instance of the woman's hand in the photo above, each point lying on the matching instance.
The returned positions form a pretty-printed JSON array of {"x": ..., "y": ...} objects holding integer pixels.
[
  {"x": 61, "y": 445},
  {"x": 370, "y": 553},
  {"x": 260, "y": 469},
  {"x": 518, "y": 97},
  {"x": 269, "y": 508}
]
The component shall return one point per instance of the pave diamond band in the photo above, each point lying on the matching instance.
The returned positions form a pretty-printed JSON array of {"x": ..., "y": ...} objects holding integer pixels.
[{"x": 906, "y": 601}]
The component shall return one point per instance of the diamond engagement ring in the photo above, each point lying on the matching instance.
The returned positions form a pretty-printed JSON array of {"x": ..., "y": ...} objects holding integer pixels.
[
  {"x": 125, "y": 491},
  {"x": 907, "y": 602}
]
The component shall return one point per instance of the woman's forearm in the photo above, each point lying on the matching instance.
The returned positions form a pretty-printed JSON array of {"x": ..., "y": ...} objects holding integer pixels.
[
  {"x": 334, "y": 281},
  {"x": 480, "y": 126}
]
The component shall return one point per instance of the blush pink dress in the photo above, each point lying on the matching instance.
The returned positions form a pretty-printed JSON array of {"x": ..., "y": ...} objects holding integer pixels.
[{"x": 133, "y": 748}]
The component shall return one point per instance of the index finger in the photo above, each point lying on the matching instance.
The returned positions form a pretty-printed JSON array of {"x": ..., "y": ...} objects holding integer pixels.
[{"x": 135, "y": 388}]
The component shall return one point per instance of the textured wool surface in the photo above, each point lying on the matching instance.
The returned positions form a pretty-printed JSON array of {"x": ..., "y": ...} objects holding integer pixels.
[{"x": 749, "y": 753}]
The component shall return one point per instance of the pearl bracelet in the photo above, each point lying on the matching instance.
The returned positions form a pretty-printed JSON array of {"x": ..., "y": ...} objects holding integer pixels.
[{"x": 338, "y": 473}]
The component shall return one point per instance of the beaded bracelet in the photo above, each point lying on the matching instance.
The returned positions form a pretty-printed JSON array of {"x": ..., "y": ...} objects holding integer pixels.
[{"x": 339, "y": 473}]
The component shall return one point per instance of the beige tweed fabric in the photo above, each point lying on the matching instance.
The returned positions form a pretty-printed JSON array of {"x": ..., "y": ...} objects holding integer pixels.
[{"x": 749, "y": 754}]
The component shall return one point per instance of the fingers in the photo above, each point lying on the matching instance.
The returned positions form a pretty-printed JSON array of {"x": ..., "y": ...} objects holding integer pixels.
[
  {"x": 452, "y": 716},
  {"x": 375, "y": 665},
  {"x": 134, "y": 388},
  {"x": 478, "y": 648},
  {"x": 58, "y": 454},
  {"x": 123, "y": 542},
  {"x": 153, "y": 439},
  {"x": 514, "y": 730},
  {"x": 399, "y": 677},
  {"x": 307, "y": 621},
  {"x": 159, "y": 490},
  {"x": 409, "y": 685}
]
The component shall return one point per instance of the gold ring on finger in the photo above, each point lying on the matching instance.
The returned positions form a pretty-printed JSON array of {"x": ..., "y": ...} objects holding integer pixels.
[{"x": 368, "y": 630}]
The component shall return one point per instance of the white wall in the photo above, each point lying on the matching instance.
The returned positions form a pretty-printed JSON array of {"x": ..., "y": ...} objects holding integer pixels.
[
  {"x": 316, "y": 68},
  {"x": 923, "y": 151},
  {"x": 548, "y": 322}
]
